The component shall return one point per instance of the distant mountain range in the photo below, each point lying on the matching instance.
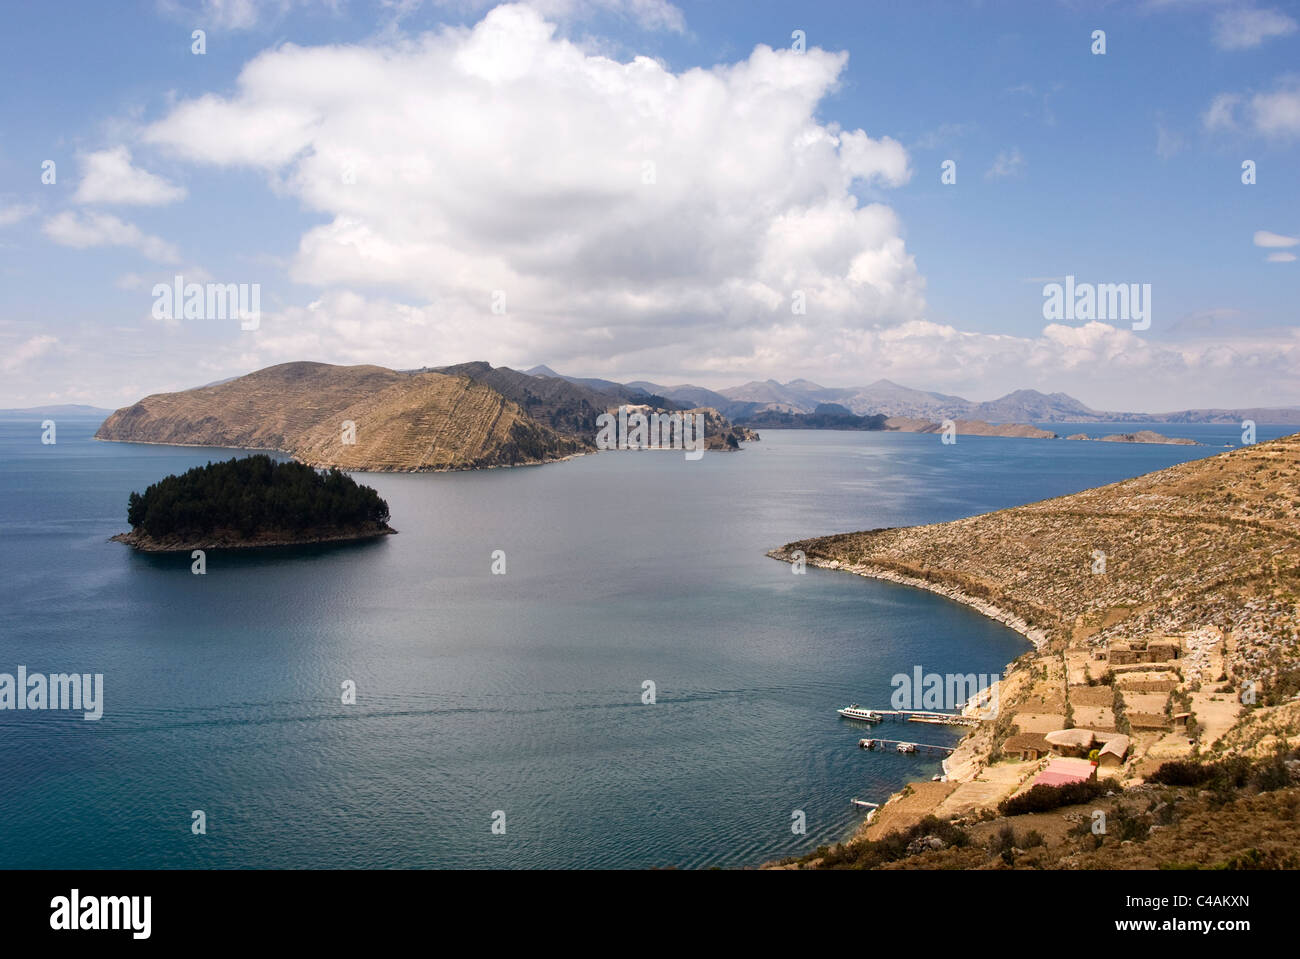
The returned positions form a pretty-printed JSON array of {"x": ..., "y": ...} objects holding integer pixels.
[
  {"x": 475, "y": 415},
  {"x": 66, "y": 409},
  {"x": 745, "y": 404}
]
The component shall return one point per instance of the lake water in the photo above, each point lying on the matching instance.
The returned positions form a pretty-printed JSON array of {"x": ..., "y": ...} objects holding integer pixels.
[{"x": 478, "y": 692}]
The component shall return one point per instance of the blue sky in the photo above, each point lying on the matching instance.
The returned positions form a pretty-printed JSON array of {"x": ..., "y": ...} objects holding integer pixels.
[{"x": 506, "y": 149}]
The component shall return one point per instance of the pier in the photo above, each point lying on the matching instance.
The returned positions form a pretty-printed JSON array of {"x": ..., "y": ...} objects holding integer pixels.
[
  {"x": 874, "y": 743},
  {"x": 928, "y": 716},
  {"x": 872, "y": 808}
]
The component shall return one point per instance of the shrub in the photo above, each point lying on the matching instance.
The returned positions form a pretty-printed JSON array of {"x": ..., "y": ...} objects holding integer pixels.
[
  {"x": 1043, "y": 798},
  {"x": 877, "y": 852},
  {"x": 1181, "y": 772}
]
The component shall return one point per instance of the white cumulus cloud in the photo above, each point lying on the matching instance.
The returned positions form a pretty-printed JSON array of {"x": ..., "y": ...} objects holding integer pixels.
[
  {"x": 619, "y": 207},
  {"x": 107, "y": 176},
  {"x": 647, "y": 14}
]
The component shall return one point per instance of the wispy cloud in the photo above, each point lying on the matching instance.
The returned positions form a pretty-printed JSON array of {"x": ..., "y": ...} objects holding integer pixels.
[
  {"x": 15, "y": 212},
  {"x": 1169, "y": 143},
  {"x": 1278, "y": 113},
  {"x": 237, "y": 14},
  {"x": 1243, "y": 28},
  {"x": 1274, "y": 114},
  {"x": 945, "y": 135},
  {"x": 1222, "y": 112},
  {"x": 1266, "y": 238},
  {"x": 1276, "y": 241},
  {"x": 27, "y": 351},
  {"x": 101, "y": 229},
  {"x": 1009, "y": 163}
]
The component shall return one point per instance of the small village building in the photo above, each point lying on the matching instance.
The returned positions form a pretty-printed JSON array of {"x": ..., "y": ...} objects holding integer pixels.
[
  {"x": 1128, "y": 652},
  {"x": 1163, "y": 650},
  {"x": 1112, "y": 752},
  {"x": 1071, "y": 742},
  {"x": 1111, "y": 747},
  {"x": 1061, "y": 771},
  {"x": 1026, "y": 746},
  {"x": 1149, "y": 722}
]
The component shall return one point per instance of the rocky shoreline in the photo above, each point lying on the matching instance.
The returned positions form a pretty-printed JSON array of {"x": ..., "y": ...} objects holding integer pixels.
[
  {"x": 230, "y": 539},
  {"x": 1154, "y": 605},
  {"x": 1038, "y": 637}
]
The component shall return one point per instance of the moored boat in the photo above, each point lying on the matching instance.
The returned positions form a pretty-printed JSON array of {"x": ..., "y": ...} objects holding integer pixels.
[{"x": 860, "y": 713}]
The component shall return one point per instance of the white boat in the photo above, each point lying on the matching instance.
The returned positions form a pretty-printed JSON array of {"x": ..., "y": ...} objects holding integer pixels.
[
  {"x": 907, "y": 747},
  {"x": 861, "y": 713}
]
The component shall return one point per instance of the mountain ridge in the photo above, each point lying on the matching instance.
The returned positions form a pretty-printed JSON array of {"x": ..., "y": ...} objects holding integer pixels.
[
  {"x": 401, "y": 421},
  {"x": 888, "y": 398}
]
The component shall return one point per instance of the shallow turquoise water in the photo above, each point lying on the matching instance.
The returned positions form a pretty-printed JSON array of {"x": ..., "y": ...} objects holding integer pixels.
[{"x": 477, "y": 693}]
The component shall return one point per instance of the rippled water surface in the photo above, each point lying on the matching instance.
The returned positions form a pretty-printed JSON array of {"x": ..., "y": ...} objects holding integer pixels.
[{"x": 476, "y": 692}]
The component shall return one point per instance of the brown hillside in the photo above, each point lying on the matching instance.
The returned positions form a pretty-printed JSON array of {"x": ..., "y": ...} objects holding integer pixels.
[
  {"x": 404, "y": 421},
  {"x": 1165, "y": 608}
]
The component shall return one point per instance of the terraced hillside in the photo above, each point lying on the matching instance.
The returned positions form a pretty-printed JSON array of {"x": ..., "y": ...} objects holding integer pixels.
[
  {"x": 573, "y": 409},
  {"x": 265, "y": 410},
  {"x": 1213, "y": 543},
  {"x": 1165, "y": 612},
  {"x": 403, "y": 421},
  {"x": 563, "y": 406}
]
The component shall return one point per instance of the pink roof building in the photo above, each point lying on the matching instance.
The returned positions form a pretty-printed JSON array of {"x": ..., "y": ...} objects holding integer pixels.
[{"x": 1061, "y": 771}]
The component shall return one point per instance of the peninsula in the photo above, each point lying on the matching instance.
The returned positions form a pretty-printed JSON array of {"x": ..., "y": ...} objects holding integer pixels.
[
  {"x": 349, "y": 417},
  {"x": 374, "y": 419},
  {"x": 1164, "y": 613}
]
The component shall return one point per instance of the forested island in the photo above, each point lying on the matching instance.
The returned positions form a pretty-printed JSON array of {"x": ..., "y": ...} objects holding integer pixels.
[{"x": 252, "y": 501}]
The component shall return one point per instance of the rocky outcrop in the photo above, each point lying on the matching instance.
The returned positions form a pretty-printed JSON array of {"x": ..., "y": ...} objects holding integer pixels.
[{"x": 1147, "y": 436}]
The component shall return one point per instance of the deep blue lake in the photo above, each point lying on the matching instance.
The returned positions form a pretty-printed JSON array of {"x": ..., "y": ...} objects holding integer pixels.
[{"x": 478, "y": 692}]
